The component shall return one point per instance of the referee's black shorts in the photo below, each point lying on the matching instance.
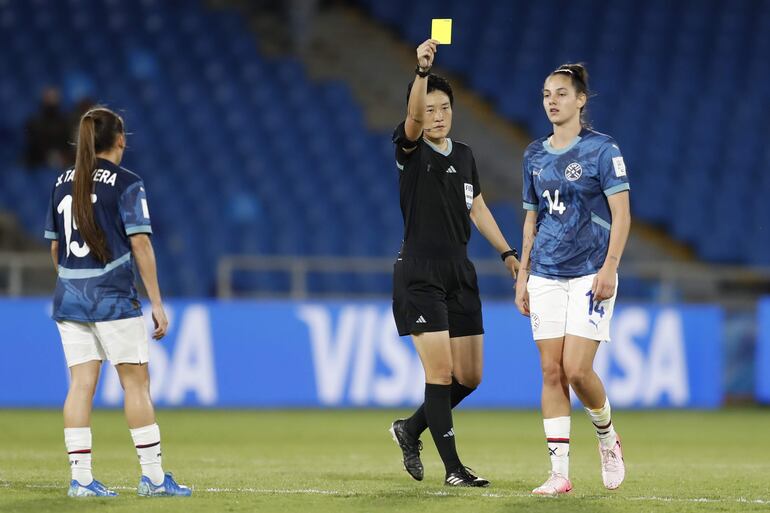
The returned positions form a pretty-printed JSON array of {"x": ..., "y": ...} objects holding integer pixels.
[{"x": 431, "y": 294}]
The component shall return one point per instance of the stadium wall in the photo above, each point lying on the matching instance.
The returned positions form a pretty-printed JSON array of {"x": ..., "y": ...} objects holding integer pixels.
[{"x": 347, "y": 354}]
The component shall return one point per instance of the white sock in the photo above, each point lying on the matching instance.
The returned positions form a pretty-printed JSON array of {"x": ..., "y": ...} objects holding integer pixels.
[
  {"x": 557, "y": 436},
  {"x": 602, "y": 420},
  {"x": 78, "y": 442},
  {"x": 147, "y": 442}
]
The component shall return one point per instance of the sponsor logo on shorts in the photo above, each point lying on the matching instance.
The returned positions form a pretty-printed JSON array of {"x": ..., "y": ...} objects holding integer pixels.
[
  {"x": 421, "y": 320},
  {"x": 573, "y": 172},
  {"x": 535, "y": 321}
]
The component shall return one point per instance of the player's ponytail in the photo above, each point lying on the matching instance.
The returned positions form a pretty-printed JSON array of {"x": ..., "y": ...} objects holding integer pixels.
[
  {"x": 98, "y": 132},
  {"x": 579, "y": 75}
]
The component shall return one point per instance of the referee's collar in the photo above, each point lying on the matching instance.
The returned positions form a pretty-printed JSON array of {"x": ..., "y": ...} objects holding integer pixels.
[{"x": 439, "y": 150}]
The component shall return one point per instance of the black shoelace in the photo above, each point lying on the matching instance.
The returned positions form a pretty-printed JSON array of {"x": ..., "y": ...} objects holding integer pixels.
[{"x": 417, "y": 446}]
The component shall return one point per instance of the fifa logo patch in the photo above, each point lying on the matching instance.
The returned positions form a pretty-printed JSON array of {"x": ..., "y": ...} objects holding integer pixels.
[
  {"x": 619, "y": 165},
  {"x": 573, "y": 172},
  {"x": 468, "y": 195}
]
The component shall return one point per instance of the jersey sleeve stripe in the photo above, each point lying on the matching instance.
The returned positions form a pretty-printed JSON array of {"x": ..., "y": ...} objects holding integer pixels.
[
  {"x": 616, "y": 189},
  {"x": 78, "y": 274},
  {"x": 51, "y": 235},
  {"x": 601, "y": 222},
  {"x": 529, "y": 206},
  {"x": 142, "y": 228}
]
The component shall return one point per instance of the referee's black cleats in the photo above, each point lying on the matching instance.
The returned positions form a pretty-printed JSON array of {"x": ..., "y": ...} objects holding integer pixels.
[
  {"x": 464, "y": 477},
  {"x": 411, "y": 448}
]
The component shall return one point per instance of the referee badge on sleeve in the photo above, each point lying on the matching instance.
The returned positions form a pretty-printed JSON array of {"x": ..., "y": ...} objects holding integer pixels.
[{"x": 468, "y": 195}]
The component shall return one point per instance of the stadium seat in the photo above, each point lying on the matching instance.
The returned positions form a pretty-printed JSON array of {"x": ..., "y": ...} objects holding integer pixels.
[
  {"x": 252, "y": 150},
  {"x": 681, "y": 111}
]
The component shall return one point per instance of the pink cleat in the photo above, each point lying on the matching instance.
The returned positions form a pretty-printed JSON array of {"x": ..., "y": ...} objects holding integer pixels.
[
  {"x": 613, "y": 466},
  {"x": 555, "y": 485}
]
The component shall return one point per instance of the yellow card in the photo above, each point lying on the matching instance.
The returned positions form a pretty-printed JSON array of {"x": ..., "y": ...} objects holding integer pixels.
[{"x": 441, "y": 30}]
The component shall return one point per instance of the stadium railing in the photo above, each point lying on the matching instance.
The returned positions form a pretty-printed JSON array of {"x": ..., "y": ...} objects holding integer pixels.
[
  {"x": 661, "y": 282},
  {"x": 26, "y": 273},
  {"x": 31, "y": 274}
]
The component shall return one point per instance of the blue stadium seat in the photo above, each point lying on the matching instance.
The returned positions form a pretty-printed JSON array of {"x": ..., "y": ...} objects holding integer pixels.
[
  {"x": 676, "y": 137},
  {"x": 253, "y": 152}
]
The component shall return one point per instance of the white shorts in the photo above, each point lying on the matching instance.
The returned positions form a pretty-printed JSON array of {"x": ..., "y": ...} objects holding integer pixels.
[
  {"x": 561, "y": 306},
  {"x": 120, "y": 341}
]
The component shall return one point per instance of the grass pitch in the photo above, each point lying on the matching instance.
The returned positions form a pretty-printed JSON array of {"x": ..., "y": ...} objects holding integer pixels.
[{"x": 344, "y": 461}]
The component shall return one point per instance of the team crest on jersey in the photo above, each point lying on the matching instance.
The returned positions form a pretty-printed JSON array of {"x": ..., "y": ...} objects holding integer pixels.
[{"x": 573, "y": 172}]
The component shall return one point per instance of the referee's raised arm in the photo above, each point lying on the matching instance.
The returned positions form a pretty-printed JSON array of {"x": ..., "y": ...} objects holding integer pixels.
[{"x": 415, "y": 117}]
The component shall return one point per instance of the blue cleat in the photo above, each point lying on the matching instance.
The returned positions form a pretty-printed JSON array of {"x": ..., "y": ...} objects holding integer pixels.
[
  {"x": 168, "y": 488},
  {"x": 95, "y": 489}
]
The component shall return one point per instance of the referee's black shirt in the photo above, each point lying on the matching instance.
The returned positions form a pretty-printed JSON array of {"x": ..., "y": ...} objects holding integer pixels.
[{"x": 437, "y": 190}]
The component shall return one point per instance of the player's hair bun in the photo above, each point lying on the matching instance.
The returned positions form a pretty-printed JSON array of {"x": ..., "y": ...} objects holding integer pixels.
[{"x": 578, "y": 71}]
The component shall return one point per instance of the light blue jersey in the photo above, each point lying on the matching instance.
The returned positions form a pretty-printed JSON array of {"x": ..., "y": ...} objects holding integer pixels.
[
  {"x": 88, "y": 290},
  {"x": 568, "y": 188}
]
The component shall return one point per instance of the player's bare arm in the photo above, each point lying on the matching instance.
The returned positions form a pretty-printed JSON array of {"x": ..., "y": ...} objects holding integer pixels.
[
  {"x": 487, "y": 226},
  {"x": 606, "y": 279},
  {"x": 528, "y": 240},
  {"x": 55, "y": 254},
  {"x": 415, "y": 117},
  {"x": 141, "y": 247}
]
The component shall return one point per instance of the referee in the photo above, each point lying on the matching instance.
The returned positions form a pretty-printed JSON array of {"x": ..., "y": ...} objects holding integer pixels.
[{"x": 435, "y": 293}]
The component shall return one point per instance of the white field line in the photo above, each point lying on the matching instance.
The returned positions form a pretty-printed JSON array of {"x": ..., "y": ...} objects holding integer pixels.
[{"x": 492, "y": 495}]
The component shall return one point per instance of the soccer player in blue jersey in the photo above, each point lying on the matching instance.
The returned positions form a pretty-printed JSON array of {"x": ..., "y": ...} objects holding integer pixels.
[
  {"x": 576, "y": 197},
  {"x": 99, "y": 226}
]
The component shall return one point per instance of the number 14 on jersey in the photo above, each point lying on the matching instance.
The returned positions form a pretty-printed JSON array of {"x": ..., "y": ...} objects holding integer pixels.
[{"x": 553, "y": 203}]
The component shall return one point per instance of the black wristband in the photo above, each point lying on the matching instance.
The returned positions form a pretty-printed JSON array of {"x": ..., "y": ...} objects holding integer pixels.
[
  {"x": 510, "y": 252},
  {"x": 422, "y": 73},
  {"x": 400, "y": 138}
]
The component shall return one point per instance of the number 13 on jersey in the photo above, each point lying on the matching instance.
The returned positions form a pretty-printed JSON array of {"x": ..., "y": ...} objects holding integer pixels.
[
  {"x": 553, "y": 203},
  {"x": 65, "y": 209}
]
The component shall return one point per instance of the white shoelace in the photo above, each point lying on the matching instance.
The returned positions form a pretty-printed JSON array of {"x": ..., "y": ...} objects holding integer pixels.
[{"x": 610, "y": 460}]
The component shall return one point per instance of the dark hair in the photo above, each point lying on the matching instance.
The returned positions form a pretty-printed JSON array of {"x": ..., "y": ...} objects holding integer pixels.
[
  {"x": 579, "y": 75},
  {"x": 435, "y": 83},
  {"x": 98, "y": 132}
]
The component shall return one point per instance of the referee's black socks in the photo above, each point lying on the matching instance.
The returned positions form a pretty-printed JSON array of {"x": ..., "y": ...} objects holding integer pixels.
[
  {"x": 417, "y": 423},
  {"x": 438, "y": 412}
]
